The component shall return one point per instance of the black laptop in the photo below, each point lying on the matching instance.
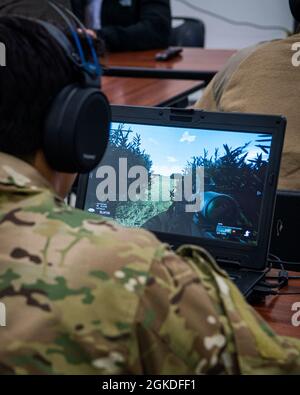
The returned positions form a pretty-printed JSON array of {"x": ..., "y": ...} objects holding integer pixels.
[{"x": 193, "y": 177}]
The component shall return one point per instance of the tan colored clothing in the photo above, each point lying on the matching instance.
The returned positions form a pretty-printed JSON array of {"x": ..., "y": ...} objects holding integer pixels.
[
  {"x": 263, "y": 80},
  {"x": 85, "y": 296}
]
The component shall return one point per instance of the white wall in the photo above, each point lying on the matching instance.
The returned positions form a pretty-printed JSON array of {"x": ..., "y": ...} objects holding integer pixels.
[{"x": 222, "y": 35}]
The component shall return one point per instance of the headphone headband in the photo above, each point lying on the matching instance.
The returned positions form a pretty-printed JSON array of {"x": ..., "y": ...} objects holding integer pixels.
[{"x": 62, "y": 39}]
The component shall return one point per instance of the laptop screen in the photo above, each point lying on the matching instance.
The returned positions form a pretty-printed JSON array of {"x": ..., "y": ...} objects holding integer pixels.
[{"x": 186, "y": 182}]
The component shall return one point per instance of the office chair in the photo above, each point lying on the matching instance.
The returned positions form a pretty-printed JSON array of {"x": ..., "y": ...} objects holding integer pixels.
[{"x": 191, "y": 33}]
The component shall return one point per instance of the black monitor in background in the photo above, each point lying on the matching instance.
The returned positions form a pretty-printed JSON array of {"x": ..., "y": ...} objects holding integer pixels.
[{"x": 286, "y": 227}]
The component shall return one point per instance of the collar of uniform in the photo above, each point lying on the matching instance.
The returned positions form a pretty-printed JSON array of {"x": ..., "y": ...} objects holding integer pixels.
[{"x": 15, "y": 173}]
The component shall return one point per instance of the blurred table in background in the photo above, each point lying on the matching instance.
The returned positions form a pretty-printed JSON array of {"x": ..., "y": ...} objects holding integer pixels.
[
  {"x": 149, "y": 91},
  {"x": 193, "y": 64}
]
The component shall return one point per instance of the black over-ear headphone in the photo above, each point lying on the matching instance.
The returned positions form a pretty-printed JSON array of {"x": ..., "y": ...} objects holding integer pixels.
[{"x": 77, "y": 126}]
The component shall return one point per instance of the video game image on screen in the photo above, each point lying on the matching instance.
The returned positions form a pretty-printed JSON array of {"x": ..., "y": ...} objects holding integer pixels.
[{"x": 189, "y": 182}]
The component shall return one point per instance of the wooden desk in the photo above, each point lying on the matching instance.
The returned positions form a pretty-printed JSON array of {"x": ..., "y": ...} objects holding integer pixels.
[
  {"x": 148, "y": 91},
  {"x": 277, "y": 310},
  {"x": 193, "y": 64}
]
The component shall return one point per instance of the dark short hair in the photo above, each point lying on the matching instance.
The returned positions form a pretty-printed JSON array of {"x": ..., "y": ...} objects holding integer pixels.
[{"x": 37, "y": 68}]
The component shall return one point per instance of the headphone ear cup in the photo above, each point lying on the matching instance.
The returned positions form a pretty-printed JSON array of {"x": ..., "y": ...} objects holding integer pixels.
[{"x": 77, "y": 130}]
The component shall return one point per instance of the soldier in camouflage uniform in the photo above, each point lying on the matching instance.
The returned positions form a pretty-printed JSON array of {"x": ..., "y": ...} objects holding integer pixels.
[{"x": 85, "y": 296}]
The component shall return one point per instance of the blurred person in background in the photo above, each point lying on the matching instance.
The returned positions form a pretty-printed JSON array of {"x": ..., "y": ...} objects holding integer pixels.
[
  {"x": 265, "y": 79},
  {"x": 127, "y": 25}
]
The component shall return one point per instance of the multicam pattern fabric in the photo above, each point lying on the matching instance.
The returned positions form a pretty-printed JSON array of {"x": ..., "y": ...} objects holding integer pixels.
[{"x": 85, "y": 296}]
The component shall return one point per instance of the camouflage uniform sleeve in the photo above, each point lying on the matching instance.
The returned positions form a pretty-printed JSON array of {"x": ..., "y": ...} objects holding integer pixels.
[{"x": 192, "y": 319}]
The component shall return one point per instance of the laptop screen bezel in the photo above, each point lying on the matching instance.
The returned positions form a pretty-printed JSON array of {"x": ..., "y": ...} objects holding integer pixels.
[{"x": 250, "y": 257}]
